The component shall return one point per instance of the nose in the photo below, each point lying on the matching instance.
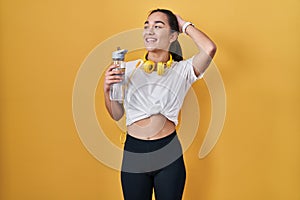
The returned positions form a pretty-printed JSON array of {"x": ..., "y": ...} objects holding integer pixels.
[{"x": 149, "y": 31}]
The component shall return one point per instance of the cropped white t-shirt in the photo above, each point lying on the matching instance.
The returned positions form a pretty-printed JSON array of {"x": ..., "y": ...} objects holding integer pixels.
[{"x": 147, "y": 94}]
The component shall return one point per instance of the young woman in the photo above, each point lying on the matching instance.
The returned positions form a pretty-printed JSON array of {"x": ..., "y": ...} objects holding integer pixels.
[{"x": 155, "y": 88}]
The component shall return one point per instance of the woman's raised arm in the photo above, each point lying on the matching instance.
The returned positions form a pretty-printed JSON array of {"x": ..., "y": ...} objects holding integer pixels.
[{"x": 206, "y": 46}]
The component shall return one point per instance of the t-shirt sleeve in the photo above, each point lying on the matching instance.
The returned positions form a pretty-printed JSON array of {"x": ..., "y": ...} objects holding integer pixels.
[{"x": 188, "y": 70}]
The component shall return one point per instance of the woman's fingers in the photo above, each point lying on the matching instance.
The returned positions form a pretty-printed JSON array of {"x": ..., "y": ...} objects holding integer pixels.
[
  {"x": 180, "y": 22},
  {"x": 112, "y": 70},
  {"x": 114, "y": 73},
  {"x": 112, "y": 76}
]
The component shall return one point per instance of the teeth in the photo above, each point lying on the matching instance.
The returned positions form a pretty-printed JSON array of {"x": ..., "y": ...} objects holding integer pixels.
[{"x": 151, "y": 40}]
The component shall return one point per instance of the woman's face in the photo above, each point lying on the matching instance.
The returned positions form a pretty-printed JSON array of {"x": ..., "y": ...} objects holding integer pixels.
[{"x": 157, "y": 32}]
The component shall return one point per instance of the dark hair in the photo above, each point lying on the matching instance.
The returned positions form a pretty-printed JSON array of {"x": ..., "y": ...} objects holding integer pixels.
[{"x": 175, "y": 48}]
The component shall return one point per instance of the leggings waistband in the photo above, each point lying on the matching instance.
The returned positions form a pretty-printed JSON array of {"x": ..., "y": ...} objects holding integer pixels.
[
  {"x": 172, "y": 135},
  {"x": 137, "y": 145}
]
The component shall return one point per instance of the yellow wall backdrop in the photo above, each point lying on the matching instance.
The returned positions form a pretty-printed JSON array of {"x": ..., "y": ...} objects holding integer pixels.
[{"x": 43, "y": 44}]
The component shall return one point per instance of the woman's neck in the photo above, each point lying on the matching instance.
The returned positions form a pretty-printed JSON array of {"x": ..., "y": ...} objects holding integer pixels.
[{"x": 159, "y": 56}]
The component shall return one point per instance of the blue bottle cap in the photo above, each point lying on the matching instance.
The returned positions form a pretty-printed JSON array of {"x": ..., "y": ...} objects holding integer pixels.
[{"x": 119, "y": 54}]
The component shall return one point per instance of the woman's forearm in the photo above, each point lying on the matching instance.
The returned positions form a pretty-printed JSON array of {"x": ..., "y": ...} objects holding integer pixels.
[{"x": 114, "y": 108}]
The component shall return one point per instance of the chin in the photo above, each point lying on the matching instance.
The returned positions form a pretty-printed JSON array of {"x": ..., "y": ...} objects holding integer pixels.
[
  {"x": 150, "y": 48},
  {"x": 153, "y": 48}
]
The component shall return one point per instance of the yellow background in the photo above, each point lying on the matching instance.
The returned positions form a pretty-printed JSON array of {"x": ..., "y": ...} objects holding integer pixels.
[{"x": 43, "y": 44}]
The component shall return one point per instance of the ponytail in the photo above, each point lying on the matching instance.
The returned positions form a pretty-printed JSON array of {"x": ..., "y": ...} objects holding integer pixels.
[{"x": 175, "y": 50}]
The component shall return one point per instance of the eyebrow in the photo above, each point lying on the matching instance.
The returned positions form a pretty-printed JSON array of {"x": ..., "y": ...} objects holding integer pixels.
[{"x": 155, "y": 22}]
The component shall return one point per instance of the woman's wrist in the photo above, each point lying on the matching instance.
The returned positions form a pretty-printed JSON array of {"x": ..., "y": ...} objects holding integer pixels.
[
  {"x": 185, "y": 26},
  {"x": 106, "y": 94}
]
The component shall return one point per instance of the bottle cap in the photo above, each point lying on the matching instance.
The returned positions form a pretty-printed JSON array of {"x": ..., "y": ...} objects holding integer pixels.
[{"x": 119, "y": 54}]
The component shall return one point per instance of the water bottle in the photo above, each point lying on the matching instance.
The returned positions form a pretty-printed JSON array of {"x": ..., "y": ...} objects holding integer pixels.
[{"x": 117, "y": 89}]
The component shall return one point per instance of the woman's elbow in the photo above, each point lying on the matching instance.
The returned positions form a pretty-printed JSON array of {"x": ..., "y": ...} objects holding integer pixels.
[
  {"x": 212, "y": 50},
  {"x": 117, "y": 115},
  {"x": 117, "y": 118}
]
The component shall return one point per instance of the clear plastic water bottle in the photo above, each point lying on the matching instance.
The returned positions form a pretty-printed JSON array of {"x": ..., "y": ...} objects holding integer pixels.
[{"x": 117, "y": 89}]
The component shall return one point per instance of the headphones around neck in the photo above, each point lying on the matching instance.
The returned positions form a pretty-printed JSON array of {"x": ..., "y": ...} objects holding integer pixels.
[{"x": 149, "y": 65}]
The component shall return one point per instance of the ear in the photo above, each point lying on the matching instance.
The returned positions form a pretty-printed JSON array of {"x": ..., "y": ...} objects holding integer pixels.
[{"x": 173, "y": 37}]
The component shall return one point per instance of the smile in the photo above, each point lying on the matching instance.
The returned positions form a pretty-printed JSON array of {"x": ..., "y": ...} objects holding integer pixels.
[{"x": 150, "y": 40}]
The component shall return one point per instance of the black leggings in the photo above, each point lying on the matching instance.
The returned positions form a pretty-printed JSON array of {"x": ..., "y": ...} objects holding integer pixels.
[{"x": 153, "y": 164}]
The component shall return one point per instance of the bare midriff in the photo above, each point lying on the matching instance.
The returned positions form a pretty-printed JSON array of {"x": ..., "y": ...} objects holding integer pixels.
[{"x": 151, "y": 128}]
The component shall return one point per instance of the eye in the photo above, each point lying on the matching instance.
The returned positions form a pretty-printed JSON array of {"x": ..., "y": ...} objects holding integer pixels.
[
  {"x": 157, "y": 27},
  {"x": 146, "y": 27}
]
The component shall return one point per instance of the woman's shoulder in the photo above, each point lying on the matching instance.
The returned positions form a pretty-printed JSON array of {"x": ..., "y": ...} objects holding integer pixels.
[
  {"x": 132, "y": 62},
  {"x": 131, "y": 65},
  {"x": 180, "y": 64},
  {"x": 187, "y": 61}
]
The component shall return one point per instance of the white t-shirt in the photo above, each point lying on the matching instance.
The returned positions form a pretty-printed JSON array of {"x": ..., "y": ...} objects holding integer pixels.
[{"x": 147, "y": 94}]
